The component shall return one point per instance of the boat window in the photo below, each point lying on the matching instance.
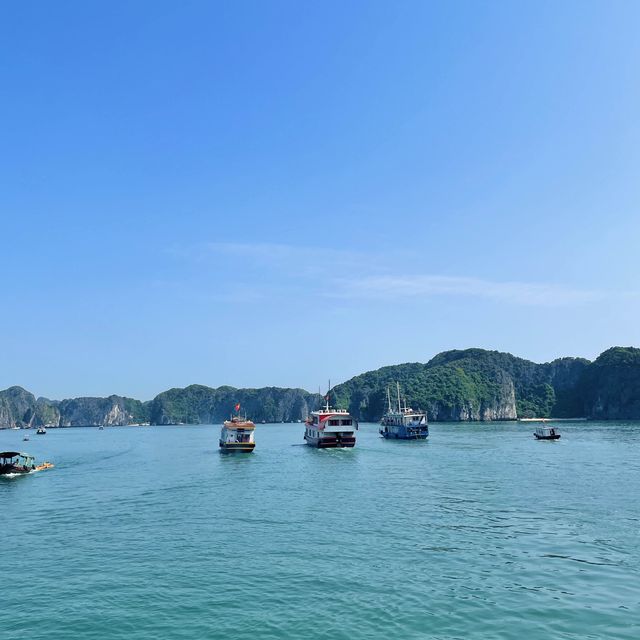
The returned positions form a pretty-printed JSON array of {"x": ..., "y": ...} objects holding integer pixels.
[
  {"x": 347, "y": 423},
  {"x": 334, "y": 423}
]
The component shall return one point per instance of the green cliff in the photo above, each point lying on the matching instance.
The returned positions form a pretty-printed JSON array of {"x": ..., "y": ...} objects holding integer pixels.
[
  {"x": 195, "y": 404},
  {"x": 472, "y": 384},
  {"x": 203, "y": 405},
  {"x": 611, "y": 385}
]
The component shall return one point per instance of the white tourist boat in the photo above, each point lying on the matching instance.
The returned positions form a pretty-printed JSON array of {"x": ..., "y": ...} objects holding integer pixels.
[
  {"x": 237, "y": 434},
  {"x": 330, "y": 428}
]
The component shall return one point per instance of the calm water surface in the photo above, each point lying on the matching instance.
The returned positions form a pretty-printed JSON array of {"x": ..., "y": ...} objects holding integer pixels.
[{"x": 481, "y": 532}]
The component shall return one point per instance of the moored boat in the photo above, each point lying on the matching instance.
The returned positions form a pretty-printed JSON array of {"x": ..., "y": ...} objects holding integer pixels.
[
  {"x": 402, "y": 422},
  {"x": 41, "y": 431},
  {"x": 330, "y": 428},
  {"x": 237, "y": 434},
  {"x": 546, "y": 433}
]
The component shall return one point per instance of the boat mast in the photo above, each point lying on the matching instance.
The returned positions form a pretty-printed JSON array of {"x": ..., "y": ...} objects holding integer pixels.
[
  {"x": 389, "y": 398},
  {"x": 327, "y": 398},
  {"x": 399, "y": 406}
]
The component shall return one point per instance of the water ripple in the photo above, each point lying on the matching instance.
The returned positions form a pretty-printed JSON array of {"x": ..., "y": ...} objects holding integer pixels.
[{"x": 478, "y": 533}]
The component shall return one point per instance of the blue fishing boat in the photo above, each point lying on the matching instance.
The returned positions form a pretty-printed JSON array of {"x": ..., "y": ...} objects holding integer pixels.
[{"x": 402, "y": 422}]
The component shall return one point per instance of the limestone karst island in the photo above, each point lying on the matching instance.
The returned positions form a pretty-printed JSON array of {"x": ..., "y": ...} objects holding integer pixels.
[{"x": 465, "y": 385}]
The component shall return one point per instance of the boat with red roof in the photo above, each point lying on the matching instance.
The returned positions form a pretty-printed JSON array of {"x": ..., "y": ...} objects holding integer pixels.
[{"x": 330, "y": 428}]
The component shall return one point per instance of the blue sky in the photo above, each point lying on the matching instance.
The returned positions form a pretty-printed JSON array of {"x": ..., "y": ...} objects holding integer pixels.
[{"x": 275, "y": 193}]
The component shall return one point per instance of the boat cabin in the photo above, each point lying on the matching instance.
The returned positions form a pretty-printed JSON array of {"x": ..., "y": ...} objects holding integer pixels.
[{"x": 15, "y": 462}]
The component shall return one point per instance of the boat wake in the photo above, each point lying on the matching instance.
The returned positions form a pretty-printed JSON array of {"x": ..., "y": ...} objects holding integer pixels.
[{"x": 19, "y": 475}]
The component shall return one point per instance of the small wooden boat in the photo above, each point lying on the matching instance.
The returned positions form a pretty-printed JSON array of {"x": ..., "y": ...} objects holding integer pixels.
[
  {"x": 546, "y": 433},
  {"x": 16, "y": 463}
]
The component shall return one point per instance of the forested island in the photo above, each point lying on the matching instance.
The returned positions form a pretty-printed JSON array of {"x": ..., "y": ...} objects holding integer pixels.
[{"x": 459, "y": 385}]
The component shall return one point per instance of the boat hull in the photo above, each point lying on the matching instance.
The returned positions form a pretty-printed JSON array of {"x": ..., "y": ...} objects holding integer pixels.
[
  {"x": 400, "y": 436},
  {"x": 555, "y": 437},
  {"x": 10, "y": 470},
  {"x": 331, "y": 443},
  {"x": 237, "y": 447}
]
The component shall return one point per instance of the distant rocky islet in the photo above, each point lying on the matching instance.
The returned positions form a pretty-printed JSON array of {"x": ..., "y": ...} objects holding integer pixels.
[{"x": 459, "y": 385}]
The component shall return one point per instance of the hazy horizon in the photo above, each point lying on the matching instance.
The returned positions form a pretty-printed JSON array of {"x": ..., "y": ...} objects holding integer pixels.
[{"x": 275, "y": 194}]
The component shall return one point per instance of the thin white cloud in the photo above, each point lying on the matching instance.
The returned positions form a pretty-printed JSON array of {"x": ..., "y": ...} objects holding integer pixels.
[
  {"x": 425, "y": 286},
  {"x": 347, "y": 274}
]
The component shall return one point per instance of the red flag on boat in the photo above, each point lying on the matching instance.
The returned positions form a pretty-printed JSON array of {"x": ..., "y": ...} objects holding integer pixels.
[{"x": 238, "y": 406}]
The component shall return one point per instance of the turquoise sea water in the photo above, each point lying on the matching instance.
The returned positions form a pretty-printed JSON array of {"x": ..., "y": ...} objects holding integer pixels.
[{"x": 481, "y": 532}]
